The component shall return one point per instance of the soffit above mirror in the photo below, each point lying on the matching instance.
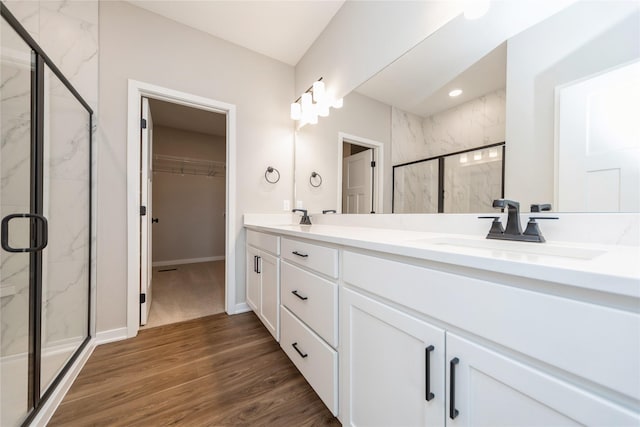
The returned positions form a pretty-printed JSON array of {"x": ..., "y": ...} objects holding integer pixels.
[{"x": 463, "y": 51}]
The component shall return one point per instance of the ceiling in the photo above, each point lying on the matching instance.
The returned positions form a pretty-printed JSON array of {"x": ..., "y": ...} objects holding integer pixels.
[
  {"x": 283, "y": 30},
  {"x": 187, "y": 118}
]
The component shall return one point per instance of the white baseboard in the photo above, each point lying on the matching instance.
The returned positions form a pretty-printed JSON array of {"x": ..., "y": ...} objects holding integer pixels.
[
  {"x": 187, "y": 261},
  {"x": 111, "y": 335},
  {"x": 52, "y": 403},
  {"x": 241, "y": 308}
]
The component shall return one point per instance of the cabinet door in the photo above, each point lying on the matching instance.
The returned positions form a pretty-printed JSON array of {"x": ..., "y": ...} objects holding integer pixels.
[
  {"x": 389, "y": 362},
  {"x": 254, "y": 293},
  {"x": 269, "y": 309},
  {"x": 491, "y": 389}
]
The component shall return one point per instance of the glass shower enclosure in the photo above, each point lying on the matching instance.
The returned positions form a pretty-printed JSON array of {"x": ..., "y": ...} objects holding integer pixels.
[{"x": 45, "y": 206}]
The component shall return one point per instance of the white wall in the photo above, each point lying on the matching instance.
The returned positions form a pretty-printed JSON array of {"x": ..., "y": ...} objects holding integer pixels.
[
  {"x": 136, "y": 44},
  {"x": 317, "y": 149},
  {"x": 364, "y": 37},
  {"x": 582, "y": 40},
  {"x": 190, "y": 208}
]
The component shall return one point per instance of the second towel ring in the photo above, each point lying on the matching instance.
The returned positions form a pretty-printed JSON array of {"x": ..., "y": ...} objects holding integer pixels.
[
  {"x": 315, "y": 175},
  {"x": 269, "y": 173}
]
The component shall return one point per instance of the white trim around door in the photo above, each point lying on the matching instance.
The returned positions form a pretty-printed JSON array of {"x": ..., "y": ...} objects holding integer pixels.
[
  {"x": 136, "y": 91},
  {"x": 378, "y": 157}
]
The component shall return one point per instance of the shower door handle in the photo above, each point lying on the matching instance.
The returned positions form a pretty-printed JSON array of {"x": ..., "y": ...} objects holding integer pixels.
[{"x": 44, "y": 236}]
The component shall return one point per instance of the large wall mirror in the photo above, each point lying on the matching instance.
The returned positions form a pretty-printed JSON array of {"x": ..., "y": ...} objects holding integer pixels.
[{"x": 548, "y": 114}]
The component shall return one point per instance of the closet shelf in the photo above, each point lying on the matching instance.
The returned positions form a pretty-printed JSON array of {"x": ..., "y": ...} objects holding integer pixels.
[{"x": 188, "y": 166}]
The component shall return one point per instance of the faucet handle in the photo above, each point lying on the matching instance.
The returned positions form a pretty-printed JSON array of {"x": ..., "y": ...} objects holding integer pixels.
[
  {"x": 496, "y": 225},
  {"x": 540, "y": 207},
  {"x": 533, "y": 229}
]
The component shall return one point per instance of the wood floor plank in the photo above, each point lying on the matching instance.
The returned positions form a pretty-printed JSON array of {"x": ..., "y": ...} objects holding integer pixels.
[{"x": 215, "y": 371}]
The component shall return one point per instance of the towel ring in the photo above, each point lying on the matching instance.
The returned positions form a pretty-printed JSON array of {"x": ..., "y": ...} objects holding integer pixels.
[
  {"x": 269, "y": 173},
  {"x": 315, "y": 175}
]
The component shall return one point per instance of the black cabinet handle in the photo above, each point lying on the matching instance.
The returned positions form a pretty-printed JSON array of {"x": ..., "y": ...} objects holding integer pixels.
[
  {"x": 44, "y": 234},
  {"x": 427, "y": 375},
  {"x": 299, "y": 296},
  {"x": 295, "y": 347},
  {"x": 258, "y": 270},
  {"x": 155, "y": 220},
  {"x": 453, "y": 412},
  {"x": 255, "y": 264},
  {"x": 300, "y": 254}
]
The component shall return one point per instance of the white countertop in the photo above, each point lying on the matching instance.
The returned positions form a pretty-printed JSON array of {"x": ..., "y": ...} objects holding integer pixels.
[{"x": 612, "y": 269}]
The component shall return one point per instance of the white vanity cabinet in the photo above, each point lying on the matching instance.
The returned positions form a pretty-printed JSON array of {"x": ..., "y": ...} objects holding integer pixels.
[
  {"x": 395, "y": 366},
  {"x": 513, "y": 356},
  {"x": 487, "y": 388},
  {"x": 263, "y": 279},
  {"x": 309, "y": 313}
]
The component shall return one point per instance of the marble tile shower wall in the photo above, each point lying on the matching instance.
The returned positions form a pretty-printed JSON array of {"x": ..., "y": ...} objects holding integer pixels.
[
  {"x": 68, "y": 32},
  {"x": 478, "y": 122}
]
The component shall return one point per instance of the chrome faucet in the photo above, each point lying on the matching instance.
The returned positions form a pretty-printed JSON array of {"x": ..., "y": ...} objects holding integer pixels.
[
  {"x": 305, "y": 219},
  {"x": 513, "y": 230}
]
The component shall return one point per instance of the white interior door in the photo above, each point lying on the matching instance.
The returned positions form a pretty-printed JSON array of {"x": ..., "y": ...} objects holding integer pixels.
[
  {"x": 145, "y": 220},
  {"x": 357, "y": 183},
  {"x": 599, "y": 143}
]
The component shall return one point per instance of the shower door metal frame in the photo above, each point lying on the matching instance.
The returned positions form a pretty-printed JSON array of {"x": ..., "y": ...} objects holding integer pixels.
[{"x": 35, "y": 399}]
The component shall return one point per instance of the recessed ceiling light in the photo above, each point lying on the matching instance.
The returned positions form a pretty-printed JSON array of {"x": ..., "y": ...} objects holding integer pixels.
[
  {"x": 455, "y": 93},
  {"x": 474, "y": 9}
]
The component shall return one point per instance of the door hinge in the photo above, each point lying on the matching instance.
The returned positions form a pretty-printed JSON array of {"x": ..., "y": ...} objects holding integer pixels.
[
  {"x": 143, "y": 123},
  {"x": 143, "y": 210},
  {"x": 143, "y": 298},
  {"x": 373, "y": 164}
]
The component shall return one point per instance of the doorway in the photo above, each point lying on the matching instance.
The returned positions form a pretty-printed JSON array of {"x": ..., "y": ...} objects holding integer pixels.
[
  {"x": 183, "y": 229},
  {"x": 136, "y": 266},
  {"x": 360, "y": 188}
]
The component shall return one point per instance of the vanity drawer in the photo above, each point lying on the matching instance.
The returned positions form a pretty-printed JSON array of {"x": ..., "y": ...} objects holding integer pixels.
[
  {"x": 317, "y": 362},
  {"x": 266, "y": 242},
  {"x": 592, "y": 341},
  {"x": 319, "y": 258},
  {"x": 315, "y": 300}
]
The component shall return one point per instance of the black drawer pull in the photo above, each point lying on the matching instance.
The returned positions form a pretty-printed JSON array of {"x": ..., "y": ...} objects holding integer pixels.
[
  {"x": 427, "y": 376},
  {"x": 299, "y": 296},
  {"x": 295, "y": 347},
  {"x": 258, "y": 264},
  {"x": 300, "y": 254},
  {"x": 453, "y": 412}
]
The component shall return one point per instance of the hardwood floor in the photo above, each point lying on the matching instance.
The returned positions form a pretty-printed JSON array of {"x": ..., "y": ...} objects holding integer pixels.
[{"x": 214, "y": 371}]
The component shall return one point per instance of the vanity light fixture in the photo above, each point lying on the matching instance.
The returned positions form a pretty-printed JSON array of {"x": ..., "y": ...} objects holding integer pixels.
[
  {"x": 316, "y": 101},
  {"x": 475, "y": 9},
  {"x": 455, "y": 92}
]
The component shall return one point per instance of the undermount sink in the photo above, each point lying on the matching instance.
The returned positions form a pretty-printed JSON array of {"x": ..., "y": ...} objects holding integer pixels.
[{"x": 508, "y": 247}]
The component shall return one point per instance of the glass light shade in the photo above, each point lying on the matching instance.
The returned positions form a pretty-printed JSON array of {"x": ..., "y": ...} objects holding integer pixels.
[
  {"x": 338, "y": 103},
  {"x": 493, "y": 152},
  {"x": 323, "y": 110},
  {"x": 305, "y": 100},
  {"x": 296, "y": 111},
  {"x": 463, "y": 158},
  {"x": 318, "y": 91},
  {"x": 477, "y": 155}
]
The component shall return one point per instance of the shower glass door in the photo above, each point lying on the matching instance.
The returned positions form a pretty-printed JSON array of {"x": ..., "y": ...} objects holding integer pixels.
[
  {"x": 45, "y": 211},
  {"x": 66, "y": 201},
  {"x": 16, "y": 350}
]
